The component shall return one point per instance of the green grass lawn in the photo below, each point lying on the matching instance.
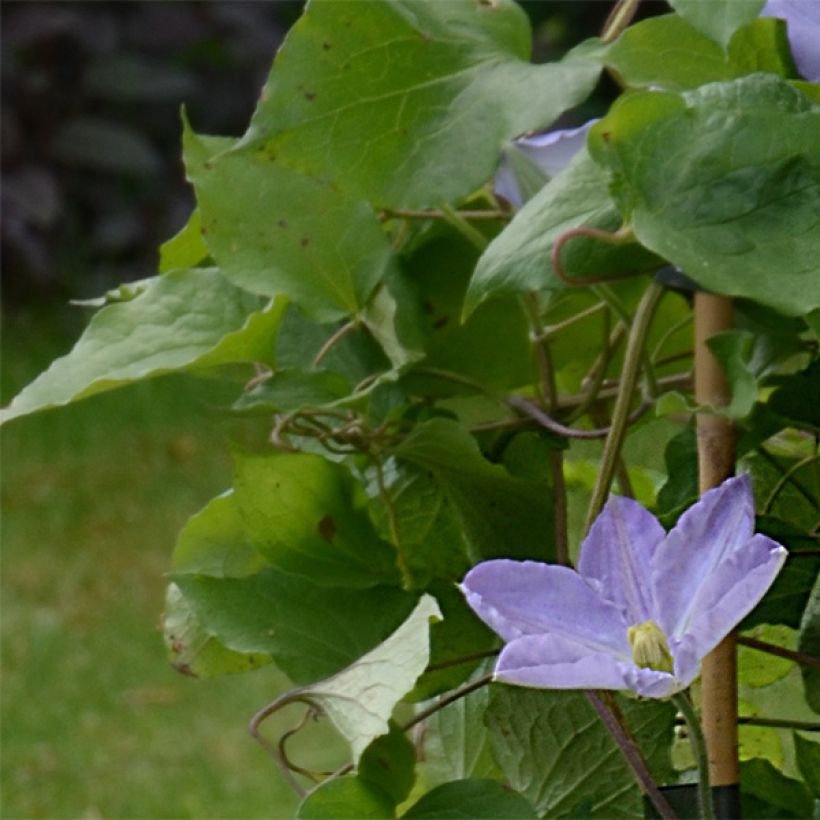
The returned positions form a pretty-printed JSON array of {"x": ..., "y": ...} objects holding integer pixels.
[{"x": 95, "y": 723}]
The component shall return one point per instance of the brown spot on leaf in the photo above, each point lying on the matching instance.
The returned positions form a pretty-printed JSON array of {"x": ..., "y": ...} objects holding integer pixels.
[
  {"x": 184, "y": 669},
  {"x": 310, "y": 96},
  {"x": 282, "y": 223},
  {"x": 327, "y": 46},
  {"x": 305, "y": 242},
  {"x": 327, "y": 528},
  {"x": 439, "y": 323}
]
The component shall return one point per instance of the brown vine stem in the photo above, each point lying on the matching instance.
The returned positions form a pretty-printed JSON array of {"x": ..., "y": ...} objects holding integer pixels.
[
  {"x": 619, "y": 18},
  {"x": 716, "y": 462},
  {"x": 773, "y": 649},
  {"x": 611, "y": 716},
  {"x": 537, "y": 414},
  {"x": 616, "y": 238},
  {"x": 474, "y": 216},
  {"x": 337, "y": 337},
  {"x": 455, "y": 695}
]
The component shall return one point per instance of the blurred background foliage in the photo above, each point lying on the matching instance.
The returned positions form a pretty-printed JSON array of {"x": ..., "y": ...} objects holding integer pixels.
[{"x": 95, "y": 722}]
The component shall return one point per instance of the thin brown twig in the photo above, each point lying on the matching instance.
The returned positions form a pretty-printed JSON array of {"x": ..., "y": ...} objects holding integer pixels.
[{"x": 773, "y": 649}]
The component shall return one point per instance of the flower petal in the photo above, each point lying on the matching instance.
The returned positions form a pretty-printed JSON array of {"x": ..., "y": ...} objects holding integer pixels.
[
  {"x": 803, "y": 29},
  {"x": 550, "y": 153},
  {"x": 731, "y": 592},
  {"x": 616, "y": 555},
  {"x": 517, "y": 598},
  {"x": 650, "y": 683},
  {"x": 550, "y": 661},
  {"x": 708, "y": 532}
]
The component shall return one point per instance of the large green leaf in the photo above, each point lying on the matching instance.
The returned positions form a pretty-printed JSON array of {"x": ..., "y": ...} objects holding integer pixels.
[
  {"x": 310, "y": 631},
  {"x": 213, "y": 542},
  {"x": 718, "y": 19},
  {"x": 426, "y": 526},
  {"x": 346, "y": 797},
  {"x": 668, "y": 52},
  {"x": 518, "y": 259},
  {"x": 553, "y": 748},
  {"x": 501, "y": 515},
  {"x": 471, "y": 799},
  {"x": 360, "y": 699},
  {"x": 767, "y": 792},
  {"x": 457, "y": 743},
  {"x": 276, "y": 230},
  {"x": 724, "y": 181},
  {"x": 182, "y": 320},
  {"x": 408, "y": 103},
  {"x": 809, "y": 642},
  {"x": 300, "y": 511},
  {"x": 460, "y": 635},
  {"x": 195, "y": 651},
  {"x": 808, "y": 761},
  {"x": 440, "y": 269},
  {"x": 389, "y": 764}
]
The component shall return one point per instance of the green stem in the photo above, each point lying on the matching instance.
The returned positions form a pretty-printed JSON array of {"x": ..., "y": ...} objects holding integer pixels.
[
  {"x": 620, "y": 413},
  {"x": 468, "y": 231},
  {"x": 698, "y": 742},
  {"x": 619, "y": 19}
]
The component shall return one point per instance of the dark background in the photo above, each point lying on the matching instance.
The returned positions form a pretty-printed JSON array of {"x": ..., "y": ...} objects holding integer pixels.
[{"x": 91, "y": 94}]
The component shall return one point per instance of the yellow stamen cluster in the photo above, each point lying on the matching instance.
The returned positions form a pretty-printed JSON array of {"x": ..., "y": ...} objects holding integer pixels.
[{"x": 649, "y": 647}]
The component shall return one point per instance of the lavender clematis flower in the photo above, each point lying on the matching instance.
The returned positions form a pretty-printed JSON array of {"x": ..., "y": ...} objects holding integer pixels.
[
  {"x": 529, "y": 162},
  {"x": 803, "y": 29},
  {"x": 643, "y": 608}
]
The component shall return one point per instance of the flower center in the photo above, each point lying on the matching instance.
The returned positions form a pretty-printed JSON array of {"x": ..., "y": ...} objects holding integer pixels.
[{"x": 649, "y": 647}]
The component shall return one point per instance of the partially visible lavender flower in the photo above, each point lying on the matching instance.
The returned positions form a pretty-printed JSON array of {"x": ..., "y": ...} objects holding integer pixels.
[
  {"x": 803, "y": 28},
  {"x": 644, "y": 607},
  {"x": 529, "y": 162}
]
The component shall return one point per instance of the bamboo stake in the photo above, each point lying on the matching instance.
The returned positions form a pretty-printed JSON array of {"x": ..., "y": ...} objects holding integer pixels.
[{"x": 716, "y": 460}]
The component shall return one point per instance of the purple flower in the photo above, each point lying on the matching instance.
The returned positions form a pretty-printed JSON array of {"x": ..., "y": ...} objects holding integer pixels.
[
  {"x": 530, "y": 161},
  {"x": 643, "y": 608},
  {"x": 803, "y": 28}
]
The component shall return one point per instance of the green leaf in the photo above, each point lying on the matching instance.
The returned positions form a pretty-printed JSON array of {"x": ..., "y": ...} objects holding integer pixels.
[
  {"x": 762, "y": 45},
  {"x": 431, "y": 542},
  {"x": 343, "y": 797},
  {"x": 184, "y": 320},
  {"x": 311, "y": 631},
  {"x": 440, "y": 269},
  {"x": 809, "y": 643},
  {"x": 291, "y": 389},
  {"x": 718, "y": 19},
  {"x": 360, "y": 699},
  {"x": 457, "y": 743},
  {"x": 787, "y": 597},
  {"x": 760, "y": 781},
  {"x": 797, "y": 399},
  {"x": 732, "y": 349},
  {"x": 808, "y": 761},
  {"x": 275, "y": 230},
  {"x": 428, "y": 92},
  {"x": 388, "y": 764},
  {"x": 471, "y": 799},
  {"x": 300, "y": 511},
  {"x": 186, "y": 249},
  {"x": 501, "y": 515},
  {"x": 461, "y": 634},
  {"x": 681, "y": 459},
  {"x": 193, "y": 650},
  {"x": 756, "y": 668},
  {"x": 553, "y": 748},
  {"x": 667, "y": 51},
  {"x": 518, "y": 259},
  {"x": 724, "y": 182},
  {"x": 213, "y": 543}
]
